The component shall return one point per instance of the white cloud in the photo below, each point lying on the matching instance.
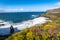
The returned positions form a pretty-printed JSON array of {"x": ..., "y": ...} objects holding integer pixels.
[
  {"x": 12, "y": 10},
  {"x": 57, "y": 4},
  {"x": 29, "y": 8},
  {"x": 53, "y": 6},
  {"x": 21, "y": 9}
]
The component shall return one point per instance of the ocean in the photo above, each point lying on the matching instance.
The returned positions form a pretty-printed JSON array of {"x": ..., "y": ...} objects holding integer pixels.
[
  {"x": 20, "y": 21},
  {"x": 16, "y": 17}
]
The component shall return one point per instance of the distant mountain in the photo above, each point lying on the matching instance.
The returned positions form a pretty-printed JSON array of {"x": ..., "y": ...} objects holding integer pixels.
[{"x": 57, "y": 10}]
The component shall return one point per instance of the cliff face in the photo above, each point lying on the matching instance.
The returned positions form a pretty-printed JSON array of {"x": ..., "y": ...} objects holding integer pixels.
[{"x": 54, "y": 10}]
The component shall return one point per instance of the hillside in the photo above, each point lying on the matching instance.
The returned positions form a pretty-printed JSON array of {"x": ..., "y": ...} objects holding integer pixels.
[
  {"x": 47, "y": 31},
  {"x": 57, "y": 10}
]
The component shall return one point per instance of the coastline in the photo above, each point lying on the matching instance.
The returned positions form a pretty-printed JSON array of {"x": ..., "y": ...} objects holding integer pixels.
[{"x": 22, "y": 25}]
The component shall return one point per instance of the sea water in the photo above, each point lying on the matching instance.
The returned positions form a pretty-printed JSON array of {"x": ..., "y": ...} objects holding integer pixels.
[
  {"x": 20, "y": 21},
  {"x": 16, "y": 17}
]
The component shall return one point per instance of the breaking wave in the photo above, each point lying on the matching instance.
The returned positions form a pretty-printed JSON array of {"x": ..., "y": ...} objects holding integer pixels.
[
  {"x": 34, "y": 16},
  {"x": 5, "y": 29}
]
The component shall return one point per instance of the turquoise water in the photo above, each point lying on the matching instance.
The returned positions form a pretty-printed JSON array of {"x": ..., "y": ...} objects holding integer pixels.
[{"x": 16, "y": 17}]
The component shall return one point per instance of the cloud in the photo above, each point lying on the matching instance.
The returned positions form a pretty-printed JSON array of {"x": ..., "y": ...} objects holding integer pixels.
[
  {"x": 53, "y": 6},
  {"x": 57, "y": 4},
  {"x": 29, "y": 8},
  {"x": 12, "y": 10},
  {"x": 21, "y": 9}
]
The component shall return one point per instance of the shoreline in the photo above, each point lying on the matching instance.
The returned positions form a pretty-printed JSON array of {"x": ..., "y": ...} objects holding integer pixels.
[{"x": 22, "y": 25}]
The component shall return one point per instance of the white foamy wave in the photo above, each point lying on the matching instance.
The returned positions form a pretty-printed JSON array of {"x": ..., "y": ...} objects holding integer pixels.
[
  {"x": 4, "y": 30},
  {"x": 34, "y": 15}
]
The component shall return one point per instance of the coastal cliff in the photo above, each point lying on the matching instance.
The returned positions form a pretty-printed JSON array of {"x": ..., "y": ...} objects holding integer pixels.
[{"x": 47, "y": 31}]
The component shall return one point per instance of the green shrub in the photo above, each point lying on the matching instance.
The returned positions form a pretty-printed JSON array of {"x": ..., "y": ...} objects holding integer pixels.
[
  {"x": 29, "y": 36},
  {"x": 37, "y": 38}
]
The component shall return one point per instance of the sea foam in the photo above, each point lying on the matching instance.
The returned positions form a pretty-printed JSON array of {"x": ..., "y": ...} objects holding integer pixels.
[{"x": 5, "y": 30}]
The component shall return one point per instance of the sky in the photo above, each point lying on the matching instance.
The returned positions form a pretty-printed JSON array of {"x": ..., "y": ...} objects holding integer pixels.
[{"x": 28, "y": 5}]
